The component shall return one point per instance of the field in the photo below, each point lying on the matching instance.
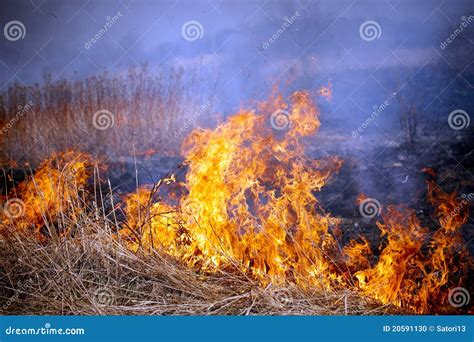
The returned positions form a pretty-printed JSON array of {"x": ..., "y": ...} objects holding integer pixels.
[{"x": 113, "y": 203}]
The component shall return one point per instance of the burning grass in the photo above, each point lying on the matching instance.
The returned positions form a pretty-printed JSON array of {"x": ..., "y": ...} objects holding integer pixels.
[
  {"x": 243, "y": 234},
  {"x": 96, "y": 274}
]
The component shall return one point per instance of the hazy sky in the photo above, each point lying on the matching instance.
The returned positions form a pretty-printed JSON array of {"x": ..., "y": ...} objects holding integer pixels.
[
  {"x": 248, "y": 44},
  {"x": 233, "y": 33},
  {"x": 251, "y": 45}
]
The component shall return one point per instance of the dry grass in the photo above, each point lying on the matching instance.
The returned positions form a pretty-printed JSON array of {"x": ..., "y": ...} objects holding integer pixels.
[
  {"x": 85, "y": 269},
  {"x": 151, "y": 110},
  {"x": 96, "y": 274},
  {"x": 80, "y": 266}
]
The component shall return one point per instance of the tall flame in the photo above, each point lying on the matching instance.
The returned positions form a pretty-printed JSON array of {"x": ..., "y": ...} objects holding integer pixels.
[
  {"x": 250, "y": 197},
  {"x": 248, "y": 201}
]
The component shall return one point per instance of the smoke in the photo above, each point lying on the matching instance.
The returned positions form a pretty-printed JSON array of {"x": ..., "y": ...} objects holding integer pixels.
[{"x": 376, "y": 54}]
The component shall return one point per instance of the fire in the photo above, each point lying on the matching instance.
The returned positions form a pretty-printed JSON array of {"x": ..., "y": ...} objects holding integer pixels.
[
  {"x": 52, "y": 195},
  {"x": 326, "y": 91},
  {"x": 147, "y": 220},
  {"x": 416, "y": 268},
  {"x": 250, "y": 199},
  {"x": 249, "y": 202}
]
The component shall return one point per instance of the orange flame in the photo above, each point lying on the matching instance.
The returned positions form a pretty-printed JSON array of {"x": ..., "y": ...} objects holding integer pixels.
[
  {"x": 326, "y": 92},
  {"x": 53, "y": 191},
  {"x": 249, "y": 201},
  {"x": 416, "y": 268},
  {"x": 250, "y": 197}
]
